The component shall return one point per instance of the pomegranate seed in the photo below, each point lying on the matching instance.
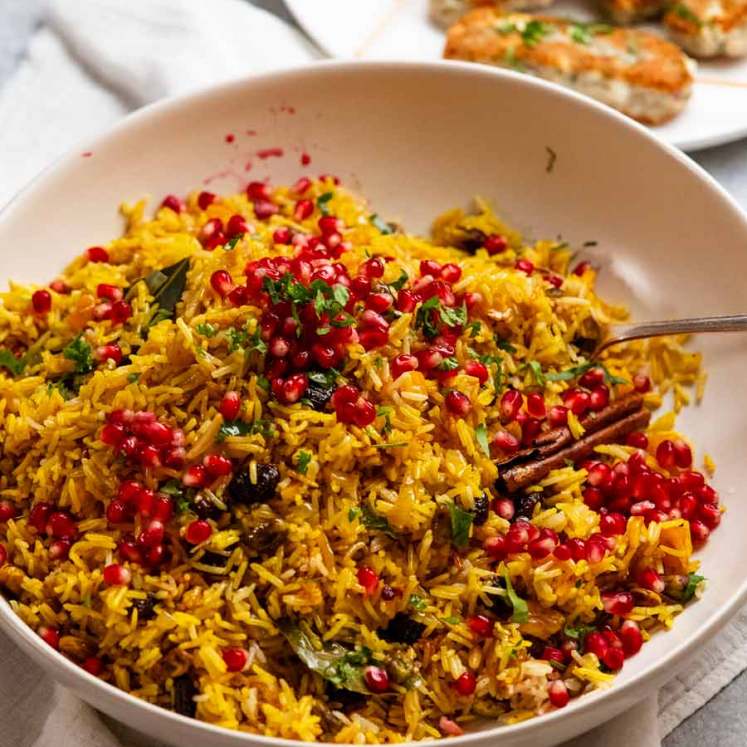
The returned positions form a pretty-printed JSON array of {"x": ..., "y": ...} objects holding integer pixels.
[
  {"x": 222, "y": 282},
  {"x": 612, "y": 524},
  {"x": 558, "y": 694},
  {"x": 235, "y": 659},
  {"x": 406, "y": 301},
  {"x": 217, "y": 465},
  {"x": 648, "y": 578},
  {"x": 129, "y": 550},
  {"x": 451, "y": 273},
  {"x": 116, "y": 575},
  {"x": 117, "y": 511},
  {"x": 510, "y": 405},
  {"x": 495, "y": 244},
  {"x": 97, "y": 254},
  {"x": 614, "y": 658},
  {"x": 480, "y": 625},
  {"x": 197, "y": 531},
  {"x": 637, "y": 440},
  {"x": 264, "y": 209},
  {"x": 466, "y": 683},
  {"x": 600, "y": 476},
  {"x": 364, "y": 414},
  {"x": 282, "y": 235},
  {"x": 518, "y": 536},
  {"x": 562, "y": 552},
  {"x": 279, "y": 347},
  {"x": 303, "y": 209},
  {"x": 230, "y": 405},
  {"x": 93, "y": 665},
  {"x": 3, "y": 555},
  {"x": 617, "y": 603},
  {"x": 495, "y": 547},
  {"x": 172, "y": 202},
  {"x": 112, "y": 434},
  {"x": 688, "y": 505},
  {"x": 7, "y": 511},
  {"x": 706, "y": 494},
  {"x": 550, "y": 653},
  {"x": 592, "y": 378},
  {"x": 577, "y": 400},
  {"x": 60, "y": 286},
  {"x": 596, "y": 644},
  {"x": 258, "y": 191},
  {"x": 50, "y": 636},
  {"x": 195, "y": 477},
  {"x": 205, "y": 199},
  {"x": 683, "y": 455},
  {"x": 506, "y": 442},
  {"x": 152, "y": 534},
  {"x": 641, "y": 383},
  {"x": 61, "y": 525},
  {"x": 630, "y": 635},
  {"x": 372, "y": 268},
  {"x": 293, "y": 388},
  {"x": 595, "y": 551},
  {"x": 121, "y": 312},
  {"x": 111, "y": 352},
  {"x": 458, "y": 404},
  {"x": 593, "y": 498},
  {"x": 541, "y": 548},
  {"x": 710, "y": 515},
  {"x": 237, "y": 226},
  {"x": 368, "y": 579},
  {"x": 558, "y": 416},
  {"x": 524, "y": 265},
  {"x": 692, "y": 481},
  {"x": 581, "y": 268},
  {"x": 163, "y": 508},
  {"x": 536, "y": 405},
  {"x": 478, "y": 370},
  {"x": 504, "y": 507},
  {"x": 599, "y": 398},
  {"x": 39, "y": 515},
  {"x": 377, "y": 680},
  {"x": 41, "y": 300},
  {"x": 402, "y": 364},
  {"x": 699, "y": 532}
]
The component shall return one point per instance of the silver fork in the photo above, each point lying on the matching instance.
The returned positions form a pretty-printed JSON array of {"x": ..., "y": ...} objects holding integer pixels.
[{"x": 619, "y": 333}]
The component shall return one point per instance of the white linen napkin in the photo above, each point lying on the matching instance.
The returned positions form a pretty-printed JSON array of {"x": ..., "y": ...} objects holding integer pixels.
[{"x": 89, "y": 65}]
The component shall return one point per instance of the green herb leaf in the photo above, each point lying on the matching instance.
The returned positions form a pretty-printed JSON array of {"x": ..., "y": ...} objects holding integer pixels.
[
  {"x": 381, "y": 225},
  {"x": 576, "y": 371},
  {"x": 417, "y": 602},
  {"x": 322, "y": 200},
  {"x": 237, "y": 339},
  {"x": 693, "y": 581},
  {"x": 304, "y": 459},
  {"x": 481, "y": 436},
  {"x": 474, "y": 328},
  {"x": 536, "y": 370},
  {"x": 13, "y": 364},
  {"x": 133, "y": 377},
  {"x": 578, "y": 633},
  {"x": 506, "y": 346},
  {"x": 448, "y": 364},
  {"x": 230, "y": 245},
  {"x": 166, "y": 286},
  {"x": 206, "y": 330},
  {"x": 79, "y": 351},
  {"x": 377, "y": 523},
  {"x": 341, "y": 666},
  {"x": 353, "y": 514},
  {"x": 240, "y": 428},
  {"x": 399, "y": 283},
  {"x": 687, "y": 14},
  {"x": 461, "y": 521},
  {"x": 452, "y": 620},
  {"x": 521, "y": 611},
  {"x": 533, "y": 32}
]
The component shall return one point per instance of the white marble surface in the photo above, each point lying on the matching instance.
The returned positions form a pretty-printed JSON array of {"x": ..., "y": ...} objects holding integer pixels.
[{"x": 723, "y": 721}]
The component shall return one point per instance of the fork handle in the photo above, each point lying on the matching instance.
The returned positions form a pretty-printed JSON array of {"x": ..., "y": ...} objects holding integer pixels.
[{"x": 639, "y": 330}]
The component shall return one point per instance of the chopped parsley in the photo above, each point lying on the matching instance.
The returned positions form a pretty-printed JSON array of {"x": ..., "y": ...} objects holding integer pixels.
[
  {"x": 461, "y": 521},
  {"x": 433, "y": 310},
  {"x": 230, "y": 245},
  {"x": 533, "y": 32},
  {"x": 688, "y": 592},
  {"x": 80, "y": 353},
  {"x": 304, "y": 459},
  {"x": 452, "y": 620},
  {"x": 582, "y": 33},
  {"x": 481, "y": 436},
  {"x": 375, "y": 522},
  {"x": 474, "y": 328},
  {"x": 417, "y": 602},
  {"x": 385, "y": 411},
  {"x": 381, "y": 225},
  {"x": 686, "y": 14},
  {"x": 521, "y": 610},
  {"x": 13, "y": 364},
  {"x": 133, "y": 377},
  {"x": 240, "y": 428},
  {"x": 536, "y": 370},
  {"x": 354, "y": 513},
  {"x": 322, "y": 200},
  {"x": 237, "y": 339},
  {"x": 448, "y": 364},
  {"x": 506, "y": 346},
  {"x": 574, "y": 372},
  {"x": 399, "y": 283},
  {"x": 206, "y": 330}
]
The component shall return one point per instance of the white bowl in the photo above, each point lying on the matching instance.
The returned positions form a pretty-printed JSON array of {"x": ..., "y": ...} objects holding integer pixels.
[{"x": 416, "y": 139}]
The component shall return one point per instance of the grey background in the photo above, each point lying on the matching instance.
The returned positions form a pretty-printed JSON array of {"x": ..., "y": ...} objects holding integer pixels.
[{"x": 722, "y": 721}]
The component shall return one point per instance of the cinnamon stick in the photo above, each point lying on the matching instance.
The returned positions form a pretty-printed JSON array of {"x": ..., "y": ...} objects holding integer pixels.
[
  {"x": 551, "y": 441},
  {"x": 529, "y": 472}
]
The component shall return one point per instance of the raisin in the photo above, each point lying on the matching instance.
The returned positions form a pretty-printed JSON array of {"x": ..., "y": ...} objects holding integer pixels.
[
  {"x": 402, "y": 629},
  {"x": 318, "y": 395},
  {"x": 481, "y": 510},
  {"x": 243, "y": 490},
  {"x": 184, "y": 696},
  {"x": 146, "y": 608}
]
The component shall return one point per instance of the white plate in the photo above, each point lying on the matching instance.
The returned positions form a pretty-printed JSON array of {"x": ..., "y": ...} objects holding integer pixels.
[
  {"x": 401, "y": 30},
  {"x": 416, "y": 139}
]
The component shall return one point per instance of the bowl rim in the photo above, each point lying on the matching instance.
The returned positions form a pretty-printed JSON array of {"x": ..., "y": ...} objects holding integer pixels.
[{"x": 60, "y": 665}]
